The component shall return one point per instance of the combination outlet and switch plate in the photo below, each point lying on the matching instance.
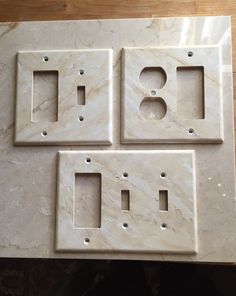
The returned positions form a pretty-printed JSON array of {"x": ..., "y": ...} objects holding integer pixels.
[
  {"x": 158, "y": 215},
  {"x": 190, "y": 106},
  {"x": 86, "y": 120}
]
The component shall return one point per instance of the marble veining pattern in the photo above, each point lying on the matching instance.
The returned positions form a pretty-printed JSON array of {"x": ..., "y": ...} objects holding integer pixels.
[
  {"x": 172, "y": 127},
  {"x": 89, "y": 123},
  {"x": 144, "y": 226},
  {"x": 29, "y": 163}
]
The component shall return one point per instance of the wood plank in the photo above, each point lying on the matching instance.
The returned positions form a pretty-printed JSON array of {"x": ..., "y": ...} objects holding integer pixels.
[{"x": 16, "y": 10}]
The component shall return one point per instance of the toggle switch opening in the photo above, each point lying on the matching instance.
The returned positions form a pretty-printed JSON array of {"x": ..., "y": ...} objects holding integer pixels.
[{"x": 163, "y": 200}]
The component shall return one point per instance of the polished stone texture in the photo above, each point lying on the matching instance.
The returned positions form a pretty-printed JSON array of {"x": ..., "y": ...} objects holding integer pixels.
[
  {"x": 144, "y": 224},
  {"x": 174, "y": 126},
  {"x": 89, "y": 122},
  {"x": 29, "y": 174}
]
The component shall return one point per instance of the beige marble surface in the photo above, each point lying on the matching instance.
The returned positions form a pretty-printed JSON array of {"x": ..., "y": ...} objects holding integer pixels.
[
  {"x": 175, "y": 125},
  {"x": 28, "y": 175}
]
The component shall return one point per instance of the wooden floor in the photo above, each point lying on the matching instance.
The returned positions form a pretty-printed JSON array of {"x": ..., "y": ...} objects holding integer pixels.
[{"x": 35, "y": 10}]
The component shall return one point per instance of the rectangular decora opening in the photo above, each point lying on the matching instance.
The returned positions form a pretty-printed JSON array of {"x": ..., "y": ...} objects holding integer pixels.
[
  {"x": 190, "y": 94},
  {"x": 45, "y": 96},
  {"x": 87, "y": 204}
]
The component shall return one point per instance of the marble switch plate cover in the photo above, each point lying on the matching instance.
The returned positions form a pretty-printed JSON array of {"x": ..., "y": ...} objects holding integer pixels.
[
  {"x": 82, "y": 101},
  {"x": 153, "y": 209},
  {"x": 172, "y": 94},
  {"x": 116, "y": 140}
]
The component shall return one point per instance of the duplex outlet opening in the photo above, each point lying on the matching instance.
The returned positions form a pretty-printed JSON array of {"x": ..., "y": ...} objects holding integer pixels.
[
  {"x": 153, "y": 77},
  {"x": 153, "y": 108}
]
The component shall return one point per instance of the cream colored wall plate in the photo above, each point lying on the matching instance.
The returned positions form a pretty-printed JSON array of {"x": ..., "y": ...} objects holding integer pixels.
[
  {"x": 82, "y": 102},
  {"x": 188, "y": 107},
  {"x": 42, "y": 89},
  {"x": 151, "y": 210}
]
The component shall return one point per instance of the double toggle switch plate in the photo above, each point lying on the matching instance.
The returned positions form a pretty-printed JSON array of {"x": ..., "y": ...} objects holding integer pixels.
[{"x": 116, "y": 140}]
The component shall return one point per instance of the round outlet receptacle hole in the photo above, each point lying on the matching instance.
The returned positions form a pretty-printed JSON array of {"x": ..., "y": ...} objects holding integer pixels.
[
  {"x": 163, "y": 226},
  {"x": 86, "y": 240},
  {"x": 88, "y": 160},
  {"x": 153, "y": 108},
  {"x": 153, "y": 77},
  {"x": 190, "y": 54},
  {"x": 125, "y": 175},
  {"x": 81, "y": 72},
  {"x": 125, "y": 225},
  {"x": 44, "y": 133},
  {"x": 45, "y": 59},
  {"x": 81, "y": 118}
]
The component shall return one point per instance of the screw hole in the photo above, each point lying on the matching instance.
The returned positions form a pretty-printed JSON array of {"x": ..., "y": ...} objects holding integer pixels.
[
  {"x": 125, "y": 225},
  {"x": 190, "y": 54},
  {"x": 153, "y": 92},
  {"x": 163, "y": 175},
  {"x": 88, "y": 160},
  {"x": 81, "y": 72},
  {"x": 45, "y": 59},
  {"x": 86, "y": 240},
  {"x": 44, "y": 134},
  {"x": 125, "y": 175},
  {"x": 81, "y": 118},
  {"x": 191, "y": 131},
  {"x": 163, "y": 226}
]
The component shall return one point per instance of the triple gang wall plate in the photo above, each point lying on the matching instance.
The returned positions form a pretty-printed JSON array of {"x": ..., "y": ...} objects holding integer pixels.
[
  {"x": 88, "y": 124},
  {"x": 105, "y": 202}
]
